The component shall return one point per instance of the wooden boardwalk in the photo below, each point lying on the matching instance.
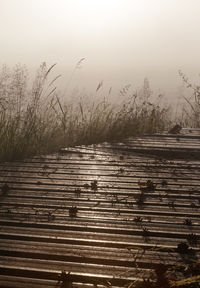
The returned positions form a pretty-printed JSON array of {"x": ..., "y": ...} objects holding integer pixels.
[{"x": 105, "y": 214}]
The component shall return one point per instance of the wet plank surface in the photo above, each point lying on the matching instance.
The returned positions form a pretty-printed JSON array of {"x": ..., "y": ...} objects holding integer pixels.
[{"x": 106, "y": 213}]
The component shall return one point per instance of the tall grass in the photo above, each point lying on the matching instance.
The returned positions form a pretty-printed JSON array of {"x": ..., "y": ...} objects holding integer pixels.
[
  {"x": 190, "y": 112},
  {"x": 35, "y": 120}
]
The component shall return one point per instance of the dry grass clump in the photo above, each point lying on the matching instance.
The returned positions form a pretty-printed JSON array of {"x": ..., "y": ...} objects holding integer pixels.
[
  {"x": 190, "y": 112},
  {"x": 28, "y": 125},
  {"x": 34, "y": 120},
  {"x": 93, "y": 122}
]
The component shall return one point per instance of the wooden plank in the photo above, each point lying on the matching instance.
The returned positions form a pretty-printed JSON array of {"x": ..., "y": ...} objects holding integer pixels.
[{"x": 113, "y": 236}]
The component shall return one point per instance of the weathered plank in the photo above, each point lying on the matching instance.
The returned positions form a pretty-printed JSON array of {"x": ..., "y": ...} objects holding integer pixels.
[{"x": 122, "y": 228}]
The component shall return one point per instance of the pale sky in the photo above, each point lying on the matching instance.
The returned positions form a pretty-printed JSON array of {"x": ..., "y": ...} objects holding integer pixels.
[{"x": 123, "y": 41}]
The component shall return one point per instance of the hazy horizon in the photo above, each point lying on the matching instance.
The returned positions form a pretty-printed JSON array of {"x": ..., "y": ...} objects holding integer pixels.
[{"x": 122, "y": 41}]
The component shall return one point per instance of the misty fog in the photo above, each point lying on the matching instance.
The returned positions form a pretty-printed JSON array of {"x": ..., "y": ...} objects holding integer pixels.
[{"x": 122, "y": 41}]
